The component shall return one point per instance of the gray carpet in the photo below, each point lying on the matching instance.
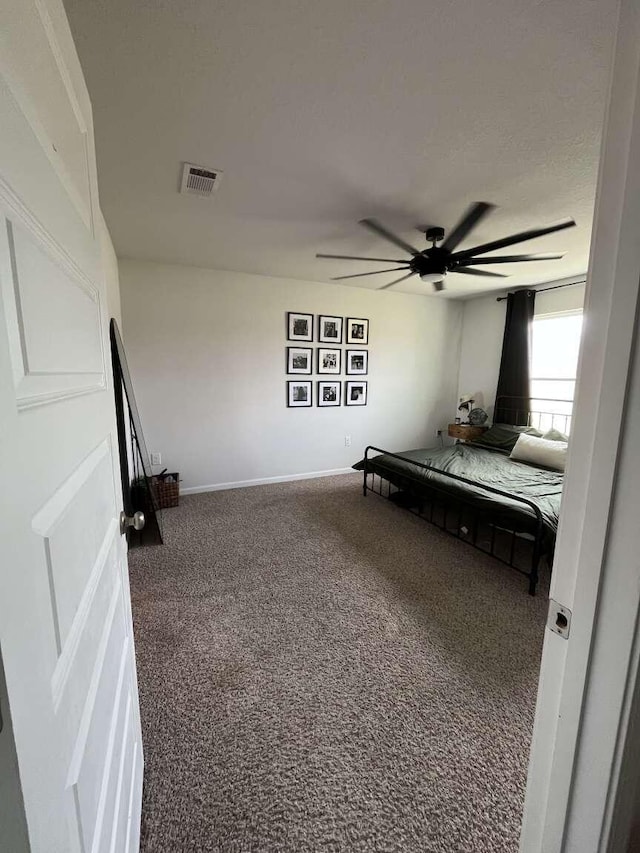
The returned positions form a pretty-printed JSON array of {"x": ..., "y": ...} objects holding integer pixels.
[{"x": 324, "y": 672}]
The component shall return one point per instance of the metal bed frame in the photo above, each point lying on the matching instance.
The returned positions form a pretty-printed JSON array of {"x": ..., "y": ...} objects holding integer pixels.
[{"x": 460, "y": 517}]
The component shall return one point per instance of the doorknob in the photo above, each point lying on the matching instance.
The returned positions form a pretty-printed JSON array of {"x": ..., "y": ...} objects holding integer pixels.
[{"x": 136, "y": 521}]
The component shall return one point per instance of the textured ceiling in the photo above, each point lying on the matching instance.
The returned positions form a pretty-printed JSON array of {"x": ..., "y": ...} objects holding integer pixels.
[{"x": 322, "y": 113}]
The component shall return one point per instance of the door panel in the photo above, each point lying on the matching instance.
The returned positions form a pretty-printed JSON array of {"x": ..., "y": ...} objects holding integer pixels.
[
  {"x": 94, "y": 753},
  {"x": 77, "y": 528},
  {"x": 75, "y": 666},
  {"x": 39, "y": 70},
  {"x": 48, "y": 345},
  {"x": 30, "y": 185},
  {"x": 66, "y": 636},
  {"x": 113, "y": 800},
  {"x": 42, "y": 281}
]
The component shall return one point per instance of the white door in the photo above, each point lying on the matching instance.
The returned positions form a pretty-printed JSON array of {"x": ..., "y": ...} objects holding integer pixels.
[
  {"x": 70, "y": 707},
  {"x": 589, "y": 684}
]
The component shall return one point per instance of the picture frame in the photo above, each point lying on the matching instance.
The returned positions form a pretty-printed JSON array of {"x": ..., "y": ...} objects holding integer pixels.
[
  {"x": 329, "y": 394},
  {"x": 357, "y": 362},
  {"x": 356, "y": 393},
  {"x": 329, "y": 329},
  {"x": 299, "y": 360},
  {"x": 329, "y": 360},
  {"x": 299, "y": 393},
  {"x": 357, "y": 331},
  {"x": 299, "y": 326}
]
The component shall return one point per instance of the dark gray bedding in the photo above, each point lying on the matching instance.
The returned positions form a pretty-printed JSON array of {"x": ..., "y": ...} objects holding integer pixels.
[{"x": 493, "y": 468}]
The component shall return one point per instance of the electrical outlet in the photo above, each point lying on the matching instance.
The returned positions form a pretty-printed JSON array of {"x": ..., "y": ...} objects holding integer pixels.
[
  {"x": 439, "y": 433},
  {"x": 347, "y": 441},
  {"x": 156, "y": 458}
]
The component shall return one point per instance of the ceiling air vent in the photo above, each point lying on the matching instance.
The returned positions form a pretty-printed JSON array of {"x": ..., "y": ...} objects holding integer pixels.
[{"x": 199, "y": 181}]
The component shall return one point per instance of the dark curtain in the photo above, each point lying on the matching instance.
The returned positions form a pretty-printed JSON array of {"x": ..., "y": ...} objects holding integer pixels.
[{"x": 513, "y": 393}]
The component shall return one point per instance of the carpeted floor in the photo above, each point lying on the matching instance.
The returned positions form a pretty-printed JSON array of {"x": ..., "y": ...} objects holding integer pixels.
[{"x": 324, "y": 672}]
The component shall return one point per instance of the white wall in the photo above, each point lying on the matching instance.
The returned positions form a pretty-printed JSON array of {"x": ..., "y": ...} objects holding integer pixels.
[
  {"x": 482, "y": 332},
  {"x": 557, "y": 301},
  {"x": 110, "y": 267},
  {"x": 206, "y": 350}
]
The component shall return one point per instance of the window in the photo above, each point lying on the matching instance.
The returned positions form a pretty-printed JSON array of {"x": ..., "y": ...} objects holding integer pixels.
[{"x": 554, "y": 364}]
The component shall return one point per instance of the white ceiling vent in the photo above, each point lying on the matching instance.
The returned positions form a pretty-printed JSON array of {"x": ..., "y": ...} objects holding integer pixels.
[{"x": 199, "y": 181}]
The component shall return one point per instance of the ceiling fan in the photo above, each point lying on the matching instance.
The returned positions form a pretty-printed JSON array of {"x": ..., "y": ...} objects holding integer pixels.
[{"x": 432, "y": 265}]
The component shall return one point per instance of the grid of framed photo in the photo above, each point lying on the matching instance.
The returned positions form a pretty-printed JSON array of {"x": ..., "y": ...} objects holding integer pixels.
[{"x": 327, "y": 360}]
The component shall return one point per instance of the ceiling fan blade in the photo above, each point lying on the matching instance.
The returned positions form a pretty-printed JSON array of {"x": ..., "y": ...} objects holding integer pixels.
[
  {"x": 514, "y": 238},
  {"x": 355, "y": 258},
  {"x": 397, "y": 281},
  {"x": 510, "y": 259},
  {"x": 381, "y": 231},
  {"x": 469, "y": 271},
  {"x": 477, "y": 211},
  {"x": 360, "y": 274}
]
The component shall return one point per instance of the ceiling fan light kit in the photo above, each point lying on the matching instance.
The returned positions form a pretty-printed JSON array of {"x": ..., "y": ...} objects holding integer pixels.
[{"x": 432, "y": 265}]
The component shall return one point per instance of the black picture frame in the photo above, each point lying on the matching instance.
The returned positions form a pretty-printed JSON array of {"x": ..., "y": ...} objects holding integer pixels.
[
  {"x": 321, "y": 397},
  {"x": 360, "y": 356},
  {"x": 350, "y": 388},
  {"x": 291, "y": 355},
  {"x": 294, "y": 317},
  {"x": 292, "y": 403},
  {"x": 326, "y": 321},
  {"x": 360, "y": 326},
  {"x": 324, "y": 354}
]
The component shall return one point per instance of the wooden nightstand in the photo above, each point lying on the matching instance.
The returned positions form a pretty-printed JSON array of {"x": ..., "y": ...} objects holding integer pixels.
[{"x": 465, "y": 432}]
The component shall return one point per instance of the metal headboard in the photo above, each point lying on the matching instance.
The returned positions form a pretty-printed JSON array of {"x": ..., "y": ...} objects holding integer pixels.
[{"x": 542, "y": 414}]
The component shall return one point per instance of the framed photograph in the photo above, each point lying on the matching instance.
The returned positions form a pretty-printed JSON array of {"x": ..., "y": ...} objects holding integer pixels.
[
  {"x": 357, "y": 331},
  {"x": 298, "y": 393},
  {"x": 299, "y": 327},
  {"x": 329, "y": 393},
  {"x": 299, "y": 359},
  {"x": 355, "y": 393},
  {"x": 329, "y": 329},
  {"x": 329, "y": 360},
  {"x": 357, "y": 361}
]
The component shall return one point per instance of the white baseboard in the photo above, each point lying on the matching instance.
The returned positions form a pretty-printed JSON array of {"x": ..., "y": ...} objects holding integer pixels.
[{"x": 262, "y": 481}]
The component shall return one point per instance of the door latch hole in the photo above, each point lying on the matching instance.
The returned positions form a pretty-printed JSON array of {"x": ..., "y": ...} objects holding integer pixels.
[
  {"x": 562, "y": 621},
  {"x": 559, "y": 618}
]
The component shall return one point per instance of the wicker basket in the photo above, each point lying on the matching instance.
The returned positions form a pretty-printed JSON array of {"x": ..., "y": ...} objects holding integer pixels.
[{"x": 167, "y": 494}]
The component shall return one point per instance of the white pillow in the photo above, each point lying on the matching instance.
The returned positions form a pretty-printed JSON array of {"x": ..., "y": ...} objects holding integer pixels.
[
  {"x": 540, "y": 451},
  {"x": 555, "y": 435}
]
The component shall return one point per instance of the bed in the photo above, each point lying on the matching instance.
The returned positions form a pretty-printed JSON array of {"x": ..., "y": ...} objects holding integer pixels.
[{"x": 506, "y": 508}]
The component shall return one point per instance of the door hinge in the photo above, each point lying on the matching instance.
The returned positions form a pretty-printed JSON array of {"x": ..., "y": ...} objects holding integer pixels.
[{"x": 559, "y": 618}]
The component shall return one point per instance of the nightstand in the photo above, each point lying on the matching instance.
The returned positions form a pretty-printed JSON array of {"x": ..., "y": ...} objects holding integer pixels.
[{"x": 465, "y": 432}]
